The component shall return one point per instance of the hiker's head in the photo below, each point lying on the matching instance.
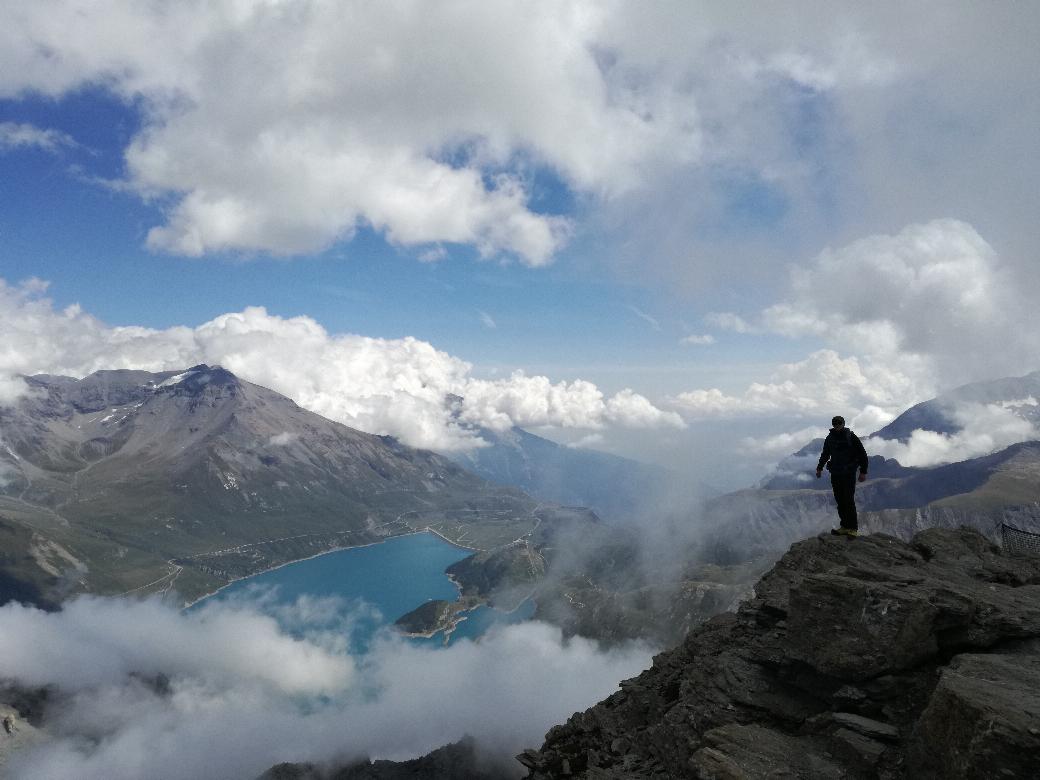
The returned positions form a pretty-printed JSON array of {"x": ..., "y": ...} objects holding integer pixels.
[{"x": 838, "y": 422}]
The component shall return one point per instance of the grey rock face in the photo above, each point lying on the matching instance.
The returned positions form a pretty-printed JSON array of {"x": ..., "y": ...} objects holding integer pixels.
[
  {"x": 985, "y": 712},
  {"x": 857, "y": 658}
]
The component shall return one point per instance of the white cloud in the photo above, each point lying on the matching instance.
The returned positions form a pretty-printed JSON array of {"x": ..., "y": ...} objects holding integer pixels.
[
  {"x": 935, "y": 293},
  {"x": 727, "y": 320},
  {"x": 281, "y": 127},
  {"x": 15, "y": 135},
  {"x": 926, "y": 309},
  {"x": 398, "y": 387},
  {"x": 241, "y": 694},
  {"x": 698, "y": 340},
  {"x": 984, "y": 428},
  {"x": 782, "y": 443},
  {"x": 592, "y": 440},
  {"x": 632, "y": 410},
  {"x": 532, "y": 401},
  {"x": 706, "y": 143},
  {"x": 281, "y": 439},
  {"x": 115, "y": 637},
  {"x": 487, "y": 320},
  {"x": 824, "y": 384}
]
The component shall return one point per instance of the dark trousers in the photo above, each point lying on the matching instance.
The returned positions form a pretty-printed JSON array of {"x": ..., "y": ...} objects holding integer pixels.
[{"x": 844, "y": 487}]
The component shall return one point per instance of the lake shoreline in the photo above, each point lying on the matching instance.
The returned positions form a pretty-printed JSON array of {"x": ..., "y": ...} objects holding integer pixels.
[{"x": 428, "y": 530}]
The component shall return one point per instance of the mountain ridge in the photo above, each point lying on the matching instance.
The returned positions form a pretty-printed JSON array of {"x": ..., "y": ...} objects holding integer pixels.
[
  {"x": 134, "y": 481},
  {"x": 618, "y": 489}
]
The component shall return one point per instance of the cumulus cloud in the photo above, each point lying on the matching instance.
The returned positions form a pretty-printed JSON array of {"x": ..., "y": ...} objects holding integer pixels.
[
  {"x": 15, "y": 135},
  {"x": 591, "y": 440},
  {"x": 781, "y": 443},
  {"x": 400, "y": 387},
  {"x": 282, "y": 127},
  {"x": 983, "y": 428},
  {"x": 918, "y": 312},
  {"x": 372, "y": 119},
  {"x": 926, "y": 309},
  {"x": 140, "y": 690},
  {"x": 823, "y": 384},
  {"x": 935, "y": 292}
]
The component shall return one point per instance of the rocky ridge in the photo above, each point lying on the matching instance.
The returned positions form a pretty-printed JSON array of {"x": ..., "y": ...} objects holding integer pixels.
[
  {"x": 865, "y": 658},
  {"x": 457, "y": 761}
]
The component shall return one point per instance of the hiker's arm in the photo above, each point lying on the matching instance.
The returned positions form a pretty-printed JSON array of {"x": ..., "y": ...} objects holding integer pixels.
[
  {"x": 824, "y": 457},
  {"x": 861, "y": 456}
]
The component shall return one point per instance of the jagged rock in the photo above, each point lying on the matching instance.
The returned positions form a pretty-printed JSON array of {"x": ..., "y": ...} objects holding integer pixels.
[
  {"x": 866, "y": 726},
  {"x": 738, "y": 752},
  {"x": 17, "y": 732},
  {"x": 457, "y": 761},
  {"x": 985, "y": 713},
  {"x": 847, "y": 649}
]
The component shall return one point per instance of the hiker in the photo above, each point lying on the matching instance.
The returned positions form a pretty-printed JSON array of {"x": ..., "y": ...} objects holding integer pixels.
[
  {"x": 9, "y": 723},
  {"x": 842, "y": 453}
]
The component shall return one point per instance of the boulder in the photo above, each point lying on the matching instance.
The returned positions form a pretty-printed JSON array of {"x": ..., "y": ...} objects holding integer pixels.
[{"x": 983, "y": 720}]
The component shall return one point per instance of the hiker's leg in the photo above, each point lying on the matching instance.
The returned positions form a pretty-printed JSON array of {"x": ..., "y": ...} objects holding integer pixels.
[
  {"x": 851, "y": 517},
  {"x": 844, "y": 489},
  {"x": 836, "y": 489},
  {"x": 848, "y": 497}
]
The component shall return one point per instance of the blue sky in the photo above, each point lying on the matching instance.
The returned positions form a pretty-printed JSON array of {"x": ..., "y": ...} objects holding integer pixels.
[
  {"x": 696, "y": 211},
  {"x": 67, "y": 222}
]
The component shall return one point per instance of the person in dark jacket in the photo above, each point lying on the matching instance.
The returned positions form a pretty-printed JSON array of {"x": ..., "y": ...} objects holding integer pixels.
[{"x": 842, "y": 454}]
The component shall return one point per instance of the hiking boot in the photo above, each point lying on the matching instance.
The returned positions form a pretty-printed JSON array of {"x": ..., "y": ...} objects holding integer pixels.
[{"x": 845, "y": 532}]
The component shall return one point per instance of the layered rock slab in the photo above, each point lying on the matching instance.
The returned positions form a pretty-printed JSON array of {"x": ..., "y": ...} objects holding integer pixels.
[{"x": 856, "y": 658}]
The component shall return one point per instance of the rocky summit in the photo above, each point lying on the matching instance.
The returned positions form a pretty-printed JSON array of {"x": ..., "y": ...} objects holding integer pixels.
[{"x": 864, "y": 658}]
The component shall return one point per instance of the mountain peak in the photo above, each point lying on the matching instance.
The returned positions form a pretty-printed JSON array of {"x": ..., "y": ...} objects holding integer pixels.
[{"x": 198, "y": 378}]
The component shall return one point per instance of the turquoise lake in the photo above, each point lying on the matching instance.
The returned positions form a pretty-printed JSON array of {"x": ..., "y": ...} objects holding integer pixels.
[{"x": 394, "y": 577}]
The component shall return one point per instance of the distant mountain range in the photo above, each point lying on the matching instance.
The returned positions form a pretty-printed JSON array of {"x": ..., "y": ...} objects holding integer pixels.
[
  {"x": 1020, "y": 394},
  {"x": 943, "y": 414},
  {"x": 617, "y": 489},
  {"x": 718, "y": 549},
  {"x": 129, "y": 481},
  {"x": 983, "y": 492}
]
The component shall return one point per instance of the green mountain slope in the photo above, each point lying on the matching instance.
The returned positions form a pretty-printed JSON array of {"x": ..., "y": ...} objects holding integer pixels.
[{"x": 131, "y": 481}]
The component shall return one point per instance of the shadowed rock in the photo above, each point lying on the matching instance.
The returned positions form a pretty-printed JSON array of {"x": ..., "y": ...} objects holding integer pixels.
[
  {"x": 457, "y": 761},
  {"x": 855, "y": 659}
]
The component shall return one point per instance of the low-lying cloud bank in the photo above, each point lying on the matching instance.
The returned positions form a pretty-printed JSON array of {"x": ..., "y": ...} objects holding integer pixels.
[
  {"x": 400, "y": 387},
  {"x": 984, "y": 428},
  {"x": 145, "y": 691}
]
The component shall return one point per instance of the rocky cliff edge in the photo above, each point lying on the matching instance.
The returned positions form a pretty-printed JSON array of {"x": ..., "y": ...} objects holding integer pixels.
[{"x": 858, "y": 658}]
